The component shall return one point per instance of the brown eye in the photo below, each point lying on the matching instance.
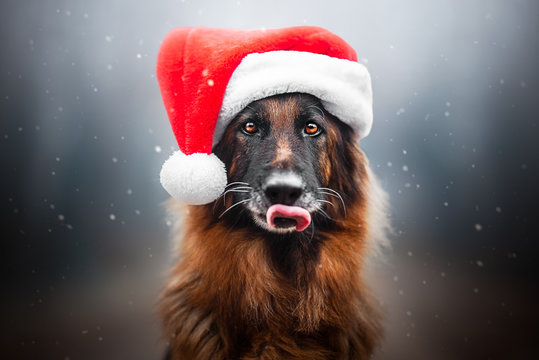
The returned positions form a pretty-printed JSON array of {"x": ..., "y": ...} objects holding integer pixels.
[
  {"x": 311, "y": 128},
  {"x": 250, "y": 127}
]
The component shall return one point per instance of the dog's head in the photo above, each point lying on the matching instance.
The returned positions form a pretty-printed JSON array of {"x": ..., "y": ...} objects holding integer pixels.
[{"x": 289, "y": 162}]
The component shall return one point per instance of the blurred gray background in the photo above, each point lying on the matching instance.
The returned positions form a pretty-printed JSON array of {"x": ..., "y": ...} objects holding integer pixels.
[{"x": 83, "y": 135}]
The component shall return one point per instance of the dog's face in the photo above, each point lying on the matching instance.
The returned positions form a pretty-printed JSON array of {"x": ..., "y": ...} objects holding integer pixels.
[{"x": 289, "y": 163}]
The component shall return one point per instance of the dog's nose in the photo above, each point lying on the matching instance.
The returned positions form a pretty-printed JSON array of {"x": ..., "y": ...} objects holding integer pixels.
[{"x": 286, "y": 194}]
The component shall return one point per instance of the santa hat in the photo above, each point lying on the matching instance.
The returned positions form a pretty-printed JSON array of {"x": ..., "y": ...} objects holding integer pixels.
[{"x": 207, "y": 76}]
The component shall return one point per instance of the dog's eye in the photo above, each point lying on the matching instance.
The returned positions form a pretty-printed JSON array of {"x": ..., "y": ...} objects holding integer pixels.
[
  {"x": 312, "y": 128},
  {"x": 250, "y": 127}
]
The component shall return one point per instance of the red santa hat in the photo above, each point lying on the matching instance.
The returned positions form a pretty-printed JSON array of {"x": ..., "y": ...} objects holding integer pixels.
[{"x": 207, "y": 76}]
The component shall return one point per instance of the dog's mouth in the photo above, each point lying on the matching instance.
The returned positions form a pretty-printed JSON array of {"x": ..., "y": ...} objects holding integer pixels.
[{"x": 284, "y": 216}]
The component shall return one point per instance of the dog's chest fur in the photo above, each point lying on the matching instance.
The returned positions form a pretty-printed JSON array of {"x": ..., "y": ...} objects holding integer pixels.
[{"x": 230, "y": 299}]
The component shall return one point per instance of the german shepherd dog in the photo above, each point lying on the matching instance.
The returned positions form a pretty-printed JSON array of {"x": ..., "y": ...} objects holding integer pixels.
[{"x": 273, "y": 268}]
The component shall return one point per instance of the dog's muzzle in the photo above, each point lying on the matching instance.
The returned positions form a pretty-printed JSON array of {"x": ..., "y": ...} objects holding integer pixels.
[{"x": 283, "y": 191}]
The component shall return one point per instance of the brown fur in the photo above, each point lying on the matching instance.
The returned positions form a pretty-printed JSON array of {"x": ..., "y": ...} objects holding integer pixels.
[{"x": 230, "y": 297}]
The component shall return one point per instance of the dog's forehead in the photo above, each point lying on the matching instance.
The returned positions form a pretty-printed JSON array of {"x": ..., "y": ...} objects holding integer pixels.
[{"x": 280, "y": 111}]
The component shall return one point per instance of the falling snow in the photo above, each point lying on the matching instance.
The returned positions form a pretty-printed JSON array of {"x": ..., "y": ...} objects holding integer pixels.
[
  {"x": 437, "y": 148},
  {"x": 479, "y": 263}
]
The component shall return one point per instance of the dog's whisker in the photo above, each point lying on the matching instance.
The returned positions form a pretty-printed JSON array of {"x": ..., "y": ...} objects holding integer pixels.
[
  {"x": 333, "y": 193},
  {"x": 327, "y": 193},
  {"x": 326, "y": 214},
  {"x": 236, "y": 183},
  {"x": 330, "y": 190},
  {"x": 239, "y": 185},
  {"x": 234, "y": 205},
  {"x": 239, "y": 189},
  {"x": 325, "y": 201}
]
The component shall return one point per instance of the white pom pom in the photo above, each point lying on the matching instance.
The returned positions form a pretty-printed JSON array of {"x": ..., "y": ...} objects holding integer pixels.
[{"x": 195, "y": 179}]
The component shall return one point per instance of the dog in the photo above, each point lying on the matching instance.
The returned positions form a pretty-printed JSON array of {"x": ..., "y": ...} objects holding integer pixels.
[{"x": 273, "y": 269}]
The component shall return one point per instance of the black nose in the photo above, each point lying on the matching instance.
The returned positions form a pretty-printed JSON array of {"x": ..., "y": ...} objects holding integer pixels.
[{"x": 283, "y": 194}]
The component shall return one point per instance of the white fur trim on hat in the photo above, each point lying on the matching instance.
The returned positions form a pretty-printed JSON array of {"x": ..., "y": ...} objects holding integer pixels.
[
  {"x": 195, "y": 179},
  {"x": 343, "y": 86}
]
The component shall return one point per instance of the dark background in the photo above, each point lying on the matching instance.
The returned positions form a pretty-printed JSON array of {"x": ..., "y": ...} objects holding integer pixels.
[{"x": 83, "y": 135}]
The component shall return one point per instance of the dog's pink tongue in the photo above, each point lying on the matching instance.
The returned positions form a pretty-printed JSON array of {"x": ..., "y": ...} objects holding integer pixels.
[{"x": 296, "y": 213}]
